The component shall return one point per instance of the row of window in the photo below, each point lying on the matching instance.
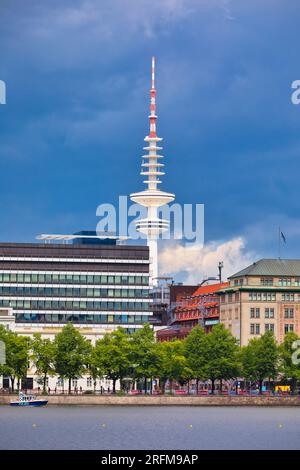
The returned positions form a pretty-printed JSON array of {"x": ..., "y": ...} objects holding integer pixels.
[
  {"x": 84, "y": 318},
  {"x": 255, "y": 313},
  {"x": 231, "y": 297},
  {"x": 255, "y": 328},
  {"x": 271, "y": 296},
  {"x": 72, "y": 305},
  {"x": 264, "y": 296},
  {"x": 270, "y": 313},
  {"x": 269, "y": 281},
  {"x": 290, "y": 297},
  {"x": 72, "y": 292},
  {"x": 55, "y": 278}
]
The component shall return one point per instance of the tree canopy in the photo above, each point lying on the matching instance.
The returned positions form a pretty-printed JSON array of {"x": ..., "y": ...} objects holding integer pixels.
[{"x": 71, "y": 352}]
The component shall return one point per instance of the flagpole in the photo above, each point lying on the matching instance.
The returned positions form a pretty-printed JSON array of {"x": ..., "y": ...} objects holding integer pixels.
[{"x": 279, "y": 241}]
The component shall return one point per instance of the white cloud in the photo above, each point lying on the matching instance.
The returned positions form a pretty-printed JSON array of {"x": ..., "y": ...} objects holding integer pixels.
[{"x": 194, "y": 262}]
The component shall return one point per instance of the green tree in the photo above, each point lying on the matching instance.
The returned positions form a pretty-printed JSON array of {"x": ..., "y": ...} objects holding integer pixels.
[
  {"x": 145, "y": 357},
  {"x": 42, "y": 356},
  {"x": 195, "y": 351},
  {"x": 174, "y": 365},
  {"x": 17, "y": 356},
  {"x": 71, "y": 353},
  {"x": 112, "y": 355},
  {"x": 93, "y": 368},
  {"x": 221, "y": 355},
  {"x": 288, "y": 368},
  {"x": 260, "y": 359}
]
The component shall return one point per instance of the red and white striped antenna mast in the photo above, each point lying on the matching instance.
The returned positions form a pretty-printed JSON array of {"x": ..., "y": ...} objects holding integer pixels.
[{"x": 153, "y": 116}]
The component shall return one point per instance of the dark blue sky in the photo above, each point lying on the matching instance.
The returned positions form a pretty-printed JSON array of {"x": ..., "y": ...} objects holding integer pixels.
[{"x": 78, "y": 77}]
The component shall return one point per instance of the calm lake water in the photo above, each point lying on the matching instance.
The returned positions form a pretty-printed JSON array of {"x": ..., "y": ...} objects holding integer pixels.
[{"x": 120, "y": 427}]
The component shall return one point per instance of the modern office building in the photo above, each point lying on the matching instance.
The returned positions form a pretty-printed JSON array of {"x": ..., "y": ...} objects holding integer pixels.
[
  {"x": 101, "y": 285},
  {"x": 264, "y": 296}
]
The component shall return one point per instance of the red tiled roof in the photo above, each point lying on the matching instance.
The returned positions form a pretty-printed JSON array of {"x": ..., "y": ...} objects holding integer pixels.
[{"x": 210, "y": 289}]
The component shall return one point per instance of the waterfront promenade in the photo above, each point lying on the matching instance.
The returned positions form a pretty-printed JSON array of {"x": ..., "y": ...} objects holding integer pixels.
[{"x": 164, "y": 400}]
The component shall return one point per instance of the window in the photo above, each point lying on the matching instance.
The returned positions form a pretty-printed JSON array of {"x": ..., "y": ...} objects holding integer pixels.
[
  {"x": 237, "y": 297},
  {"x": 288, "y": 313},
  {"x": 60, "y": 382},
  {"x": 266, "y": 281},
  {"x": 285, "y": 281},
  {"x": 270, "y": 327},
  {"x": 89, "y": 382},
  {"x": 288, "y": 328},
  {"x": 287, "y": 297},
  {"x": 297, "y": 281},
  {"x": 269, "y": 312},
  {"x": 254, "y": 328}
]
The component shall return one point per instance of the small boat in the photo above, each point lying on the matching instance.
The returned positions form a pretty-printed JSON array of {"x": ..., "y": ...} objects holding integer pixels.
[{"x": 28, "y": 400}]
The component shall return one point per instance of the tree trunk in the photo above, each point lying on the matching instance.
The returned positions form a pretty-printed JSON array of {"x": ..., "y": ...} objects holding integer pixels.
[
  {"x": 163, "y": 387},
  {"x": 18, "y": 384},
  {"x": 145, "y": 385},
  {"x": 171, "y": 386},
  {"x": 44, "y": 384},
  {"x": 293, "y": 387},
  {"x": 197, "y": 386},
  {"x": 12, "y": 379},
  {"x": 95, "y": 383},
  {"x": 260, "y": 386},
  {"x": 69, "y": 386},
  {"x": 212, "y": 386},
  {"x": 221, "y": 385},
  {"x": 188, "y": 384},
  {"x": 114, "y": 385}
]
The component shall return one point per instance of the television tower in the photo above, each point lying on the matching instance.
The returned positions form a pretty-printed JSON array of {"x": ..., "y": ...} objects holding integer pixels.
[{"x": 152, "y": 197}]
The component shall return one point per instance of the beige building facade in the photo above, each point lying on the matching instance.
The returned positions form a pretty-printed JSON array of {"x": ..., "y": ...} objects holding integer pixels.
[{"x": 263, "y": 296}]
